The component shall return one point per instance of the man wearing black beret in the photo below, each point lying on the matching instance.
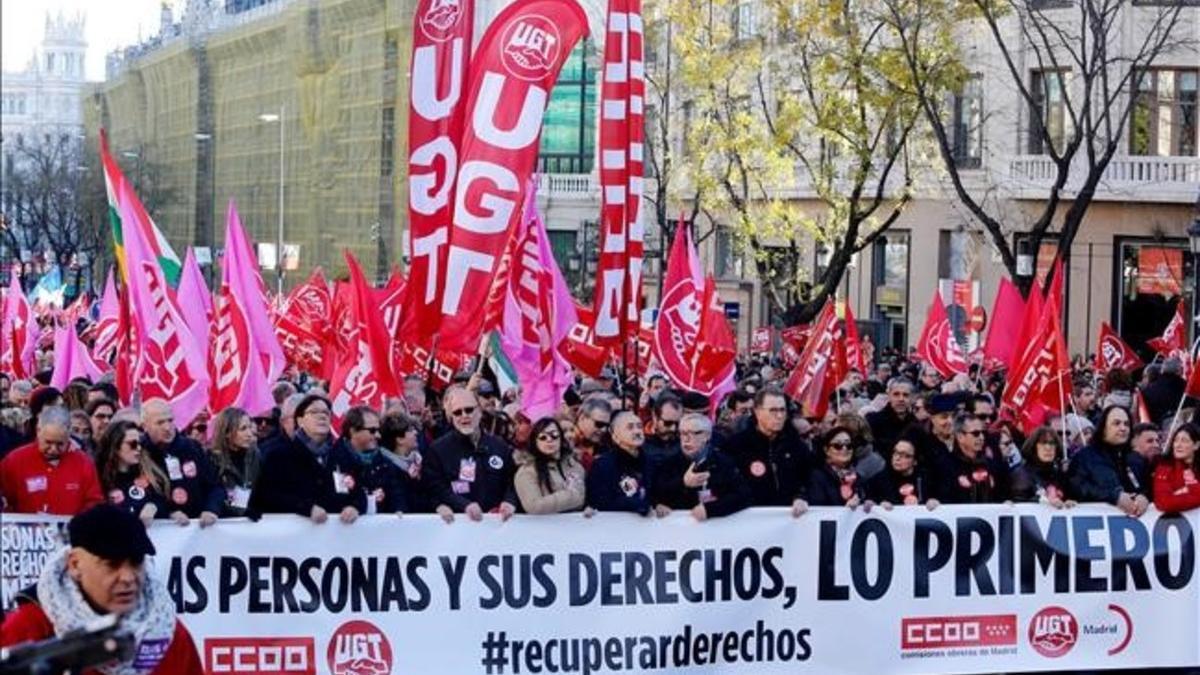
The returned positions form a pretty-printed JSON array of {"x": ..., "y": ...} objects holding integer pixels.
[{"x": 101, "y": 573}]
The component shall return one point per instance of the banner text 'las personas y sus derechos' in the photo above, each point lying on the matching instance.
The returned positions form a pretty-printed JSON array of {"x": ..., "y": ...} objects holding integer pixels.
[{"x": 959, "y": 589}]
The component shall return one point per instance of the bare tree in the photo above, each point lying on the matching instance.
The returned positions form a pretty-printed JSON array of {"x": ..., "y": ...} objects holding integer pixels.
[{"x": 1089, "y": 39}]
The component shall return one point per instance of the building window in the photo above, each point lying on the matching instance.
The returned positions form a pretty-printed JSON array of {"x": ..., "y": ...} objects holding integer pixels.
[
  {"x": 1164, "y": 114},
  {"x": 968, "y": 124},
  {"x": 726, "y": 262},
  {"x": 50, "y": 62},
  {"x": 1048, "y": 111},
  {"x": 745, "y": 23},
  {"x": 1153, "y": 277},
  {"x": 889, "y": 288},
  {"x": 569, "y": 129}
]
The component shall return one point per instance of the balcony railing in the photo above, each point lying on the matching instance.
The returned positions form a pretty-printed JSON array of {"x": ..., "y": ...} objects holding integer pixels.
[
  {"x": 1155, "y": 179},
  {"x": 568, "y": 185}
]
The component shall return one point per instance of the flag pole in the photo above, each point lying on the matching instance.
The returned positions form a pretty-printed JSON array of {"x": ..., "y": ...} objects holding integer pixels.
[{"x": 1184, "y": 397}]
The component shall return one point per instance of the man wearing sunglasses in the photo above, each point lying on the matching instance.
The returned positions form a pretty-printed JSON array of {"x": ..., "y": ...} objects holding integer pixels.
[
  {"x": 371, "y": 481},
  {"x": 969, "y": 475},
  {"x": 469, "y": 471},
  {"x": 666, "y": 412}
]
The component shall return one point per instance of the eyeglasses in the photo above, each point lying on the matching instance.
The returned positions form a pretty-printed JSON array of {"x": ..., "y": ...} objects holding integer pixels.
[
  {"x": 976, "y": 433},
  {"x": 669, "y": 424},
  {"x": 102, "y": 416},
  {"x": 688, "y": 433},
  {"x": 316, "y": 412},
  {"x": 548, "y": 436},
  {"x": 599, "y": 424},
  {"x": 133, "y": 445},
  {"x": 463, "y": 412},
  {"x": 905, "y": 454},
  {"x": 371, "y": 430},
  {"x": 840, "y": 445},
  {"x": 776, "y": 411},
  {"x": 986, "y": 416}
]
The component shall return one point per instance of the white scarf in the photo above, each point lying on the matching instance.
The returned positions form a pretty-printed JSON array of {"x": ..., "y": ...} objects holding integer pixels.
[{"x": 152, "y": 621}]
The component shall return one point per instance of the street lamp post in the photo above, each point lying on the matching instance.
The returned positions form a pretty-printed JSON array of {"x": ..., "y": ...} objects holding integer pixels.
[{"x": 278, "y": 117}]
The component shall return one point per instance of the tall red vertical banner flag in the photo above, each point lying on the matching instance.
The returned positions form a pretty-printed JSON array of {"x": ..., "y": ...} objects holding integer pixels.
[
  {"x": 442, "y": 35},
  {"x": 617, "y": 301},
  {"x": 512, "y": 73}
]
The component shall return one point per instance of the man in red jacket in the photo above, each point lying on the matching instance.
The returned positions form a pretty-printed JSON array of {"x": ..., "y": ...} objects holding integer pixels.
[
  {"x": 47, "y": 476},
  {"x": 101, "y": 573}
]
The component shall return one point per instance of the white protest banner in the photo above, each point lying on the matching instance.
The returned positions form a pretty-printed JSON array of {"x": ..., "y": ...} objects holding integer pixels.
[
  {"x": 962, "y": 589},
  {"x": 25, "y": 543}
]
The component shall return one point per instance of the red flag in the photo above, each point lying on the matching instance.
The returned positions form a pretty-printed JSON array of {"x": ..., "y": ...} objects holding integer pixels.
[
  {"x": 681, "y": 313},
  {"x": 128, "y": 350},
  {"x": 811, "y": 383},
  {"x": 1054, "y": 292},
  {"x": 716, "y": 348},
  {"x": 1029, "y": 325},
  {"x": 1112, "y": 352},
  {"x": 20, "y": 331},
  {"x": 363, "y": 375},
  {"x": 515, "y": 67},
  {"x": 856, "y": 357},
  {"x": 1042, "y": 381},
  {"x": 1193, "y": 383},
  {"x": 579, "y": 349},
  {"x": 1174, "y": 337},
  {"x": 617, "y": 300},
  {"x": 441, "y": 54},
  {"x": 937, "y": 345},
  {"x": 1005, "y": 326}
]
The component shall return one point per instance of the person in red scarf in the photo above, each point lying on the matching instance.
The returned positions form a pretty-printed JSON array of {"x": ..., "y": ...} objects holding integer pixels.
[
  {"x": 103, "y": 573},
  {"x": 1177, "y": 478}
]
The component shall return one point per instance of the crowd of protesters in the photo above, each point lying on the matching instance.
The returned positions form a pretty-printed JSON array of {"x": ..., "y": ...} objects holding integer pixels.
[{"x": 899, "y": 436}]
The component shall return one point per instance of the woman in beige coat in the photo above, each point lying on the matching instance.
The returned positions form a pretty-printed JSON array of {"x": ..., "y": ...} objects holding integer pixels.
[{"x": 549, "y": 479}]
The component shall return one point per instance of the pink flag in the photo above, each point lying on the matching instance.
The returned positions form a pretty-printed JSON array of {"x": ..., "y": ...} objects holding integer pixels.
[
  {"x": 1007, "y": 311},
  {"x": 71, "y": 359},
  {"x": 262, "y": 332},
  {"x": 20, "y": 331},
  {"x": 171, "y": 364},
  {"x": 105, "y": 345},
  {"x": 239, "y": 368},
  {"x": 194, "y": 299},
  {"x": 538, "y": 315}
]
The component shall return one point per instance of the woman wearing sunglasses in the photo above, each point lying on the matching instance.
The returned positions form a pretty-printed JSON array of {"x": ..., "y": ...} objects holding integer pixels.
[
  {"x": 549, "y": 479},
  {"x": 130, "y": 478},
  {"x": 836, "y": 483}
]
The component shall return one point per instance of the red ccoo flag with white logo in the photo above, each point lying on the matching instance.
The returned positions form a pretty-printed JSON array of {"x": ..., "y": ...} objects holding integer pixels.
[
  {"x": 1112, "y": 352},
  {"x": 442, "y": 35},
  {"x": 20, "y": 329},
  {"x": 937, "y": 345},
  {"x": 617, "y": 302},
  {"x": 512, "y": 73}
]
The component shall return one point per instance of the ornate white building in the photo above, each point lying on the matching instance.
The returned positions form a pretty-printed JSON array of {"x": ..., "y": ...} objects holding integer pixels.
[{"x": 44, "y": 98}]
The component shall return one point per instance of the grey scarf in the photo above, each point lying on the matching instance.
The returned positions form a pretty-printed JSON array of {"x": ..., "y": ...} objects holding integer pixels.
[{"x": 152, "y": 621}]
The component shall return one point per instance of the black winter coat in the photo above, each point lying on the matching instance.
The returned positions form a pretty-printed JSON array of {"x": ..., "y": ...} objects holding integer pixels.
[
  {"x": 825, "y": 486},
  {"x": 294, "y": 479},
  {"x": 457, "y": 472},
  {"x": 886, "y": 427},
  {"x": 619, "y": 481},
  {"x": 775, "y": 469},
  {"x": 132, "y": 493},
  {"x": 369, "y": 478},
  {"x": 1033, "y": 481},
  {"x": 725, "y": 492},
  {"x": 893, "y": 488},
  {"x": 1101, "y": 472},
  {"x": 983, "y": 480},
  {"x": 195, "y": 486}
]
